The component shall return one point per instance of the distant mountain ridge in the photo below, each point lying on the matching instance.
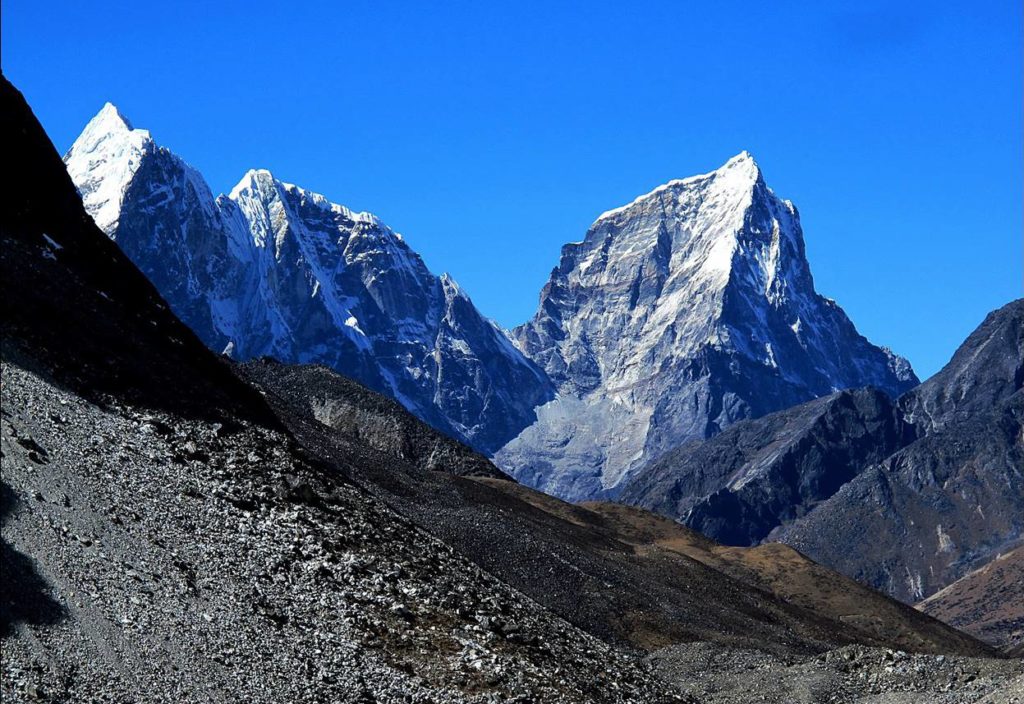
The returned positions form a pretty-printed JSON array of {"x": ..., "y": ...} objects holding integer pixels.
[
  {"x": 689, "y": 309},
  {"x": 679, "y": 314},
  {"x": 952, "y": 499},
  {"x": 905, "y": 496},
  {"x": 761, "y": 473},
  {"x": 272, "y": 269}
]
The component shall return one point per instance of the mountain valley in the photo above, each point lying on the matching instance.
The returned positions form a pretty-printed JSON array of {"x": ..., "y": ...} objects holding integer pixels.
[{"x": 267, "y": 455}]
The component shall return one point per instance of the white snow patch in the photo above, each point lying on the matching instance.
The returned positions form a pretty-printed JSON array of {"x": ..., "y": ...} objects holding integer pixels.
[
  {"x": 914, "y": 585},
  {"x": 56, "y": 247},
  {"x": 945, "y": 542},
  {"x": 354, "y": 324},
  {"x": 102, "y": 162}
]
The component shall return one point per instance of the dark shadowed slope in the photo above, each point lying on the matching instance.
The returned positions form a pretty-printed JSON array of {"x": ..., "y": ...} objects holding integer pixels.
[
  {"x": 70, "y": 296},
  {"x": 24, "y": 595},
  {"x": 365, "y": 418},
  {"x": 950, "y": 501},
  {"x": 759, "y": 474},
  {"x": 987, "y": 370}
]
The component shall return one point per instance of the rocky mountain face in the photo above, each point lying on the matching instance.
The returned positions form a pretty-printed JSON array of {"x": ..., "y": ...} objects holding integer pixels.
[
  {"x": 359, "y": 417},
  {"x": 985, "y": 373},
  {"x": 687, "y": 310},
  {"x": 951, "y": 500},
  {"x": 906, "y": 496},
  {"x": 272, "y": 269},
  {"x": 759, "y": 474},
  {"x": 679, "y": 314}
]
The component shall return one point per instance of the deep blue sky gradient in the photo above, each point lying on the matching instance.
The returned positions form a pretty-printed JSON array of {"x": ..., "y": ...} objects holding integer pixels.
[{"x": 489, "y": 135}]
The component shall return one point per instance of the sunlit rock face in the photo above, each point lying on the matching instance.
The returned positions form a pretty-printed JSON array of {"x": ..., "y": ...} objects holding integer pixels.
[
  {"x": 678, "y": 314},
  {"x": 272, "y": 269}
]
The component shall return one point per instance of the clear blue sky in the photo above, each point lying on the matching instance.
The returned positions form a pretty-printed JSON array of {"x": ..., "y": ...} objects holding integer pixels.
[{"x": 490, "y": 135}]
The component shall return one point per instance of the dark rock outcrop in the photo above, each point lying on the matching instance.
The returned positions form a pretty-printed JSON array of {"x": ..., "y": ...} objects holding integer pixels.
[
  {"x": 953, "y": 499},
  {"x": 906, "y": 497},
  {"x": 758, "y": 474},
  {"x": 71, "y": 297}
]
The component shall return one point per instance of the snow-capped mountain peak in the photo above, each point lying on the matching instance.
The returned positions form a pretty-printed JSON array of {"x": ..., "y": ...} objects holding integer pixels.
[
  {"x": 678, "y": 314},
  {"x": 263, "y": 183},
  {"x": 744, "y": 159},
  {"x": 251, "y": 181},
  {"x": 275, "y": 269},
  {"x": 103, "y": 160},
  {"x": 111, "y": 117},
  {"x": 739, "y": 175},
  {"x": 735, "y": 178}
]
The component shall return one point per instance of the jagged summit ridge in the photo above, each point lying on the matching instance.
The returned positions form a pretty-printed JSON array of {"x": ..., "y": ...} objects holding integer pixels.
[
  {"x": 110, "y": 115},
  {"x": 104, "y": 158},
  {"x": 263, "y": 179},
  {"x": 739, "y": 171},
  {"x": 273, "y": 269},
  {"x": 687, "y": 309}
]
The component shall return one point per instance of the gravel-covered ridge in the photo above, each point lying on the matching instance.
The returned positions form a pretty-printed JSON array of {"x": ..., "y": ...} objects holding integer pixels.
[
  {"x": 850, "y": 675},
  {"x": 158, "y": 558}
]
